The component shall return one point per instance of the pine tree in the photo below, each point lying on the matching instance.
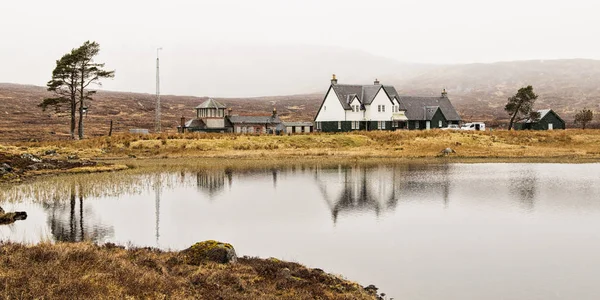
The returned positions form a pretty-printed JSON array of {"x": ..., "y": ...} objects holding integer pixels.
[
  {"x": 521, "y": 104},
  {"x": 89, "y": 72},
  {"x": 64, "y": 85}
]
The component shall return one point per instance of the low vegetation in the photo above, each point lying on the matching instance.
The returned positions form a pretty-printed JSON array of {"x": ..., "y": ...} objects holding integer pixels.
[
  {"x": 559, "y": 144},
  {"x": 87, "y": 271}
]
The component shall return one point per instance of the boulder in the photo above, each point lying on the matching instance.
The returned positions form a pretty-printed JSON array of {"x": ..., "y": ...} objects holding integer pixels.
[
  {"x": 5, "y": 168},
  {"x": 9, "y": 218},
  {"x": 50, "y": 152},
  {"x": 209, "y": 251},
  {"x": 41, "y": 166},
  {"x": 447, "y": 151},
  {"x": 31, "y": 157}
]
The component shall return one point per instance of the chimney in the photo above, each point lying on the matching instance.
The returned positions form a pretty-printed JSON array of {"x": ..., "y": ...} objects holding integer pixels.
[
  {"x": 229, "y": 112},
  {"x": 274, "y": 112},
  {"x": 182, "y": 124},
  {"x": 444, "y": 93},
  {"x": 376, "y": 82},
  {"x": 333, "y": 79}
]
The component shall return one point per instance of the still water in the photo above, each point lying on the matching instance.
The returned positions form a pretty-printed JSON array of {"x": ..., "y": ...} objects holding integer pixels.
[{"x": 451, "y": 231}]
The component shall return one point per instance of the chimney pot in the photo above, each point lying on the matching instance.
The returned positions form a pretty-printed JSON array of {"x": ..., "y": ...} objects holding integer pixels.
[
  {"x": 444, "y": 93},
  {"x": 376, "y": 82},
  {"x": 333, "y": 79}
]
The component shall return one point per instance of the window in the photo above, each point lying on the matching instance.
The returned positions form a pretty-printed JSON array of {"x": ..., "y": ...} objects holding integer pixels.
[
  {"x": 378, "y": 108},
  {"x": 383, "y": 108},
  {"x": 339, "y": 125},
  {"x": 324, "y": 108},
  {"x": 318, "y": 125},
  {"x": 382, "y": 124},
  {"x": 440, "y": 124},
  {"x": 395, "y": 124},
  {"x": 355, "y": 125},
  {"x": 416, "y": 124}
]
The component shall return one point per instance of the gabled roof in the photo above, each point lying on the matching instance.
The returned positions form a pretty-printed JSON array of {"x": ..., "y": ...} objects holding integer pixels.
[
  {"x": 543, "y": 113},
  {"x": 342, "y": 91},
  {"x": 211, "y": 103},
  {"x": 430, "y": 111},
  {"x": 415, "y": 107},
  {"x": 254, "y": 119},
  {"x": 365, "y": 93}
]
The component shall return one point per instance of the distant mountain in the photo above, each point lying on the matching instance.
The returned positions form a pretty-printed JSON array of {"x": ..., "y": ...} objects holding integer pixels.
[{"x": 479, "y": 91}]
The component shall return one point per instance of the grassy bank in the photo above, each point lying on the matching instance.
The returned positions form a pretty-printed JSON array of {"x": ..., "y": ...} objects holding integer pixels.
[
  {"x": 87, "y": 271},
  {"x": 564, "y": 144}
]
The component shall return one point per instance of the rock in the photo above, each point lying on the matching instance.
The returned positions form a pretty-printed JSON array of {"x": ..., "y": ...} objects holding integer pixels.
[
  {"x": 31, "y": 157},
  {"x": 9, "y": 218},
  {"x": 209, "y": 251},
  {"x": 50, "y": 152},
  {"x": 447, "y": 151},
  {"x": 131, "y": 156},
  {"x": 5, "y": 168},
  {"x": 284, "y": 273},
  {"x": 41, "y": 166},
  {"x": 72, "y": 157}
]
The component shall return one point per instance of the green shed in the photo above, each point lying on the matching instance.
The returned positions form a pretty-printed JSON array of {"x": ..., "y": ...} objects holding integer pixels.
[{"x": 549, "y": 120}]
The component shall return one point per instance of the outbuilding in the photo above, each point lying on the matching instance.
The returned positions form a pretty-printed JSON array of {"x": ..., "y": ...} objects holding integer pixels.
[{"x": 549, "y": 120}]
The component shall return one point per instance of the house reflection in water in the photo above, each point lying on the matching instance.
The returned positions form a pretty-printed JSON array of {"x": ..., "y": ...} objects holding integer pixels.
[
  {"x": 356, "y": 190},
  {"x": 213, "y": 182}
]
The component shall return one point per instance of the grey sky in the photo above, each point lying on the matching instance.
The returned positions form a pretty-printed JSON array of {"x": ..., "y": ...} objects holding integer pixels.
[{"x": 35, "y": 33}]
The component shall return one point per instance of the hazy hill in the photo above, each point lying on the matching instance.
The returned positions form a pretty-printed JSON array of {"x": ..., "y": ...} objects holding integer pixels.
[{"x": 479, "y": 91}]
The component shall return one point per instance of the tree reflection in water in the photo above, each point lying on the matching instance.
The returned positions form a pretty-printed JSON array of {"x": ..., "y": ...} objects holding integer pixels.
[{"x": 67, "y": 221}]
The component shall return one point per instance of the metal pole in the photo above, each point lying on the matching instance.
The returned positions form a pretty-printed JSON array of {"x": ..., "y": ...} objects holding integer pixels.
[{"x": 157, "y": 126}]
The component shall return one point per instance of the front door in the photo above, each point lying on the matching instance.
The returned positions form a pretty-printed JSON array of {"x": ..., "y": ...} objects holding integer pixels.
[
  {"x": 550, "y": 126},
  {"x": 428, "y": 125}
]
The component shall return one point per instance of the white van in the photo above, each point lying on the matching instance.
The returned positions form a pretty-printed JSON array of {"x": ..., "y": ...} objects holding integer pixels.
[{"x": 479, "y": 126}]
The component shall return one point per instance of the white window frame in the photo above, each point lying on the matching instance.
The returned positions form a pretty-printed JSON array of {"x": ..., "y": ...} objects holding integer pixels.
[
  {"x": 417, "y": 124},
  {"x": 383, "y": 108},
  {"x": 339, "y": 125},
  {"x": 378, "y": 108},
  {"x": 382, "y": 124},
  {"x": 440, "y": 123}
]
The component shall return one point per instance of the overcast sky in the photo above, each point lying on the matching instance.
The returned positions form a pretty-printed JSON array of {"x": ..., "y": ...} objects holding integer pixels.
[{"x": 36, "y": 33}]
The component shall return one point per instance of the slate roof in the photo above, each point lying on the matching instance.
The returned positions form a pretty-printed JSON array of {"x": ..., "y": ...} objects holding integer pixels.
[
  {"x": 430, "y": 111},
  {"x": 211, "y": 103},
  {"x": 342, "y": 91},
  {"x": 365, "y": 93},
  {"x": 254, "y": 119},
  {"x": 543, "y": 113},
  {"x": 415, "y": 107},
  {"x": 195, "y": 123}
]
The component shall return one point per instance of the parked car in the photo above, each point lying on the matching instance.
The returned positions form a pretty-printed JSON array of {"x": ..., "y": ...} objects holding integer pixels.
[
  {"x": 479, "y": 126},
  {"x": 451, "y": 127}
]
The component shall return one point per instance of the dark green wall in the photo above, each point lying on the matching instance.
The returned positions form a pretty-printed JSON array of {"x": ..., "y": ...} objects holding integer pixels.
[{"x": 542, "y": 124}]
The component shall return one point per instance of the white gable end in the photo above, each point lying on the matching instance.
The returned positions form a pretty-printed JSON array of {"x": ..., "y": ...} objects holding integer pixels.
[
  {"x": 331, "y": 108},
  {"x": 352, "y": 115},
  {"x": 375, "y": 111}
]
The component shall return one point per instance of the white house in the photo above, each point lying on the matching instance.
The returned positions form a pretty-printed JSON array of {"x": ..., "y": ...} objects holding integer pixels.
[{"x": 379, "y": 107}]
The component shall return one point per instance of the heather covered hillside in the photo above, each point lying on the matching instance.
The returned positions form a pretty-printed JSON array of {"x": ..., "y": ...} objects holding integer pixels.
[{"x": 478, "y": 91}]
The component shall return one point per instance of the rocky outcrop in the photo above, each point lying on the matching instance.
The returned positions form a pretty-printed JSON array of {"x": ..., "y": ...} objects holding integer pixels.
[
  {"x": 209, "y": 251},
  {"x": 11, "y": 217}
]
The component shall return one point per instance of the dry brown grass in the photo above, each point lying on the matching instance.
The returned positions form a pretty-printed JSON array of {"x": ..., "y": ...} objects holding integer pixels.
[
  {"x": 559, "y": 144},
  {"x": 87, "y": 271}
]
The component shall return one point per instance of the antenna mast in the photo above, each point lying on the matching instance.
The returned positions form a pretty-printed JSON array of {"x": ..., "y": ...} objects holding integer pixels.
[{"x": 157, "y": 127}]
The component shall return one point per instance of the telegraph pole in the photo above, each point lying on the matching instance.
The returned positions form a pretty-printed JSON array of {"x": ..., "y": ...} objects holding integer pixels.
[{"x": 157, "y": 120}]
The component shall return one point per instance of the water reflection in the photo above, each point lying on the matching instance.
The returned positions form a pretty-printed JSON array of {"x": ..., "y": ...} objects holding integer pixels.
[
  {"x": 523, "y": 186},
  {"x": 66, "y": 220},
  {"x": 485, "y": 216}
]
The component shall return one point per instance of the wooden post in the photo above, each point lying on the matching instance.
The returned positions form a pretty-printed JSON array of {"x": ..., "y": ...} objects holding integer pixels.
[
  {"x": 111, "y": 127},
  {"x": 182, "y": 124}
]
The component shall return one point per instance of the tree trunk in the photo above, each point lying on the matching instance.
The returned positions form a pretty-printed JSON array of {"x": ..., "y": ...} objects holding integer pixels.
[
  {"x": 110, "y": 130},
  {"x": 81, "y": 100},
  {"x": 73, "y": 117},
  {"x": 512, "y": 120}
]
